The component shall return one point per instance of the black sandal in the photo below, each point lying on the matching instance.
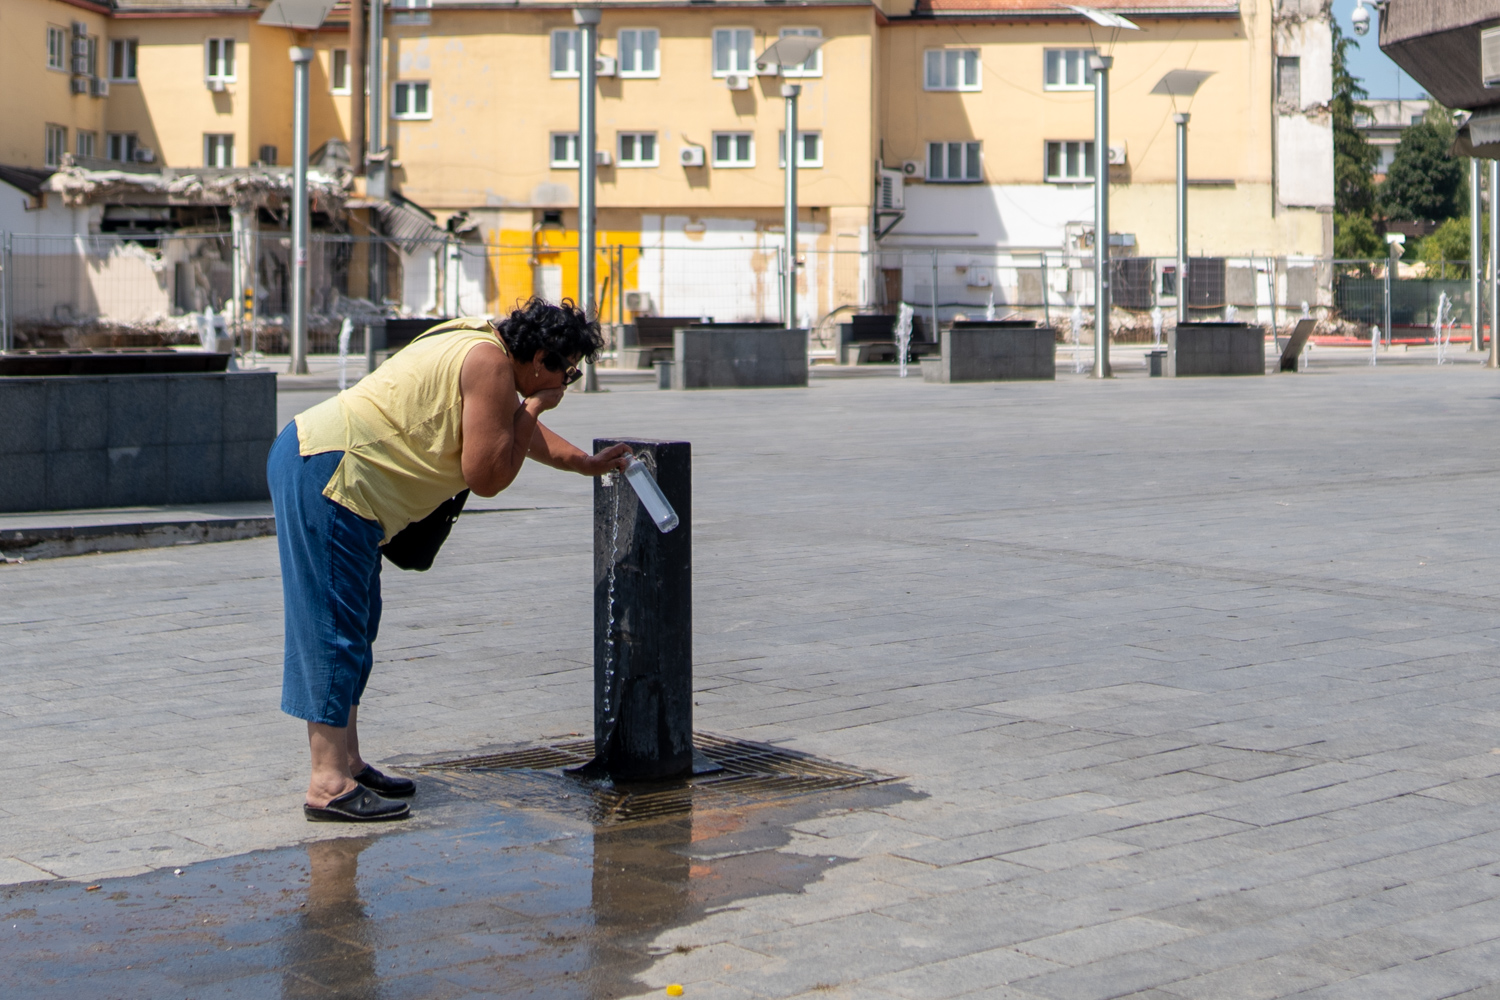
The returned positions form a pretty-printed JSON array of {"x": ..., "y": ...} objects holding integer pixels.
[
  {"x": 358, "y": 806},
  {"x": 388, "y": 785}
]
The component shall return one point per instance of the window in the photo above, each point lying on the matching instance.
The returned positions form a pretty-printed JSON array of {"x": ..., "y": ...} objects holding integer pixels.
[
  {"x": 122, "y": 53},
  {"x": 338, "y": 71},
  {"x": 1070, "y": 162},
  {"x": 1289, "y": 80},
  {"x": 638, "y": 149},
  {"x": 411, "y": 100},
  {"x": 1068, "y": 69},
  {"x": 57, "y": 48},
  {"x": 85, "y": 143},
  {"x": 122, "y": 146},
  {"x": 411, "y": 11},
  {"x": 952, "y": 69},
  {"x": 218, "y": 150},
  {"x": 732, "y": 51},
  {"x": 809, "y": 149},
  {"x": 91, "y": 59},
  {"x": 268, "y": 155},
  {"x": 218, "y": 59},
  {"x": 57, "y": 145},
  {"x": 637, "y": 49},
  {"x": 1418, "y": 119},
  {"x": 814, "y": 64},
  {"x": 953, "y": 162},
  {"x": 734, "y": 149},
  {"x": 565, "y": 52},
  {"x": 564, "y": 149}
]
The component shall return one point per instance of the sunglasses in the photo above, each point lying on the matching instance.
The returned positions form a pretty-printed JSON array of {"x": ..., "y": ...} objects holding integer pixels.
[{"x": 572, "y": 374}]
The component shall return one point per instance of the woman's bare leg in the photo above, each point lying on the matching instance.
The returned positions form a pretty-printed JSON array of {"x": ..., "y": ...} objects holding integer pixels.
[
  {"x": 351, "y": 741},
  {"x": 330, "y": 762}
]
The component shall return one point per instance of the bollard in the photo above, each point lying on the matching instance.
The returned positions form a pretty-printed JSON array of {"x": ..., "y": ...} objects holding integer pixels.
[{"x": 643, "y": 622}]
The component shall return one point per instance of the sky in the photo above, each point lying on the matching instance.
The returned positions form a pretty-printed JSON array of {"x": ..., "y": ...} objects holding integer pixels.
[{"x": 1382, "y": 78}]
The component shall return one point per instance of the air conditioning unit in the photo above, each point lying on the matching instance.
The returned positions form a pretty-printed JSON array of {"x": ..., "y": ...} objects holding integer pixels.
[
  {"x": 767, "y": 69},
  {"x": 80, "y": 47},
  {"x": 80, "y": 29},
  {"x": 80, "y": 85},
  {"x": 892, "y": 194},
  {"x": 603, "y": 158},
  {"x": 81, "y": 65},
  {"x": 1489, "y": 57},
  {"x": 605, "y": 66},
  {"x": 638, "y": 302},
  {"x": 216, "y": 85},
  {"x": 144, "y": 154},
  {"x": 913, "y": 170},
  {"x": 1117, "y": 155},
  {"x": 98, "y": 87},
  {"x": 691, "y": 156},
  {"x": 737, "y": 81}
]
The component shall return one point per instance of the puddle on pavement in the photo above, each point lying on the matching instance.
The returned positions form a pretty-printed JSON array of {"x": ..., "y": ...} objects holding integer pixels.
[{"x": 478, "y": 895}]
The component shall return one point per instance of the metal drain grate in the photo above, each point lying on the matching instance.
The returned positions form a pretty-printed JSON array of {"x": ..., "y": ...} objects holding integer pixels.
[{"x": 752, "y": 773}]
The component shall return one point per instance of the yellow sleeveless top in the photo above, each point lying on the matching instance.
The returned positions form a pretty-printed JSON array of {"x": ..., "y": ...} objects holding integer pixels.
[{"x": 400, "y": 429}]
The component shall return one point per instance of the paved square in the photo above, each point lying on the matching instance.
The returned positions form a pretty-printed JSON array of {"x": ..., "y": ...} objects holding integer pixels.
[{"x": 1197, "y": 678}]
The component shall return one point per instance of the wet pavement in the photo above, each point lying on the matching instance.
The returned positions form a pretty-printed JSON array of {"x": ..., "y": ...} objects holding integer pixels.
[{"x": 475, "y": 897}]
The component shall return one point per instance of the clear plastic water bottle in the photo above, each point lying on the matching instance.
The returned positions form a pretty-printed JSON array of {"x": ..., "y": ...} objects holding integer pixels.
[{"x": 652, "y": 498}]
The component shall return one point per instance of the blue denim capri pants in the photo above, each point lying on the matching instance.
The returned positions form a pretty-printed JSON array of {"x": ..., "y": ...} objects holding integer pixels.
[{"x": 330, "y": 585}]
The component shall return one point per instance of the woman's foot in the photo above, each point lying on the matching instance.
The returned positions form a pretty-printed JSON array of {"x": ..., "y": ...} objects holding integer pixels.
[
  {"x": 390, "y": 786},
  {"x": 358, "y": 806}
]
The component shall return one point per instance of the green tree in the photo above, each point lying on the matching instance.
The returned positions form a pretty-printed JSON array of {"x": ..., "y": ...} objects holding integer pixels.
[
  {"x": 1353, "y": 158},
  {"x": 1425, "y": 182},
  {"x": 1448, "y": 243},
  {"x": 1355, "y": 238}
]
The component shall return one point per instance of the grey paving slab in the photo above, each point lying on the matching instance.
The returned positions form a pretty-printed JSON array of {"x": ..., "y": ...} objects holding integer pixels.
[{"x": 1196, "y": 677}]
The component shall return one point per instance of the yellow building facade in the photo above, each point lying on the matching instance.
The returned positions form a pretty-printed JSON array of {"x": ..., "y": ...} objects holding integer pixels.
[{"x": 980, "y": 110}]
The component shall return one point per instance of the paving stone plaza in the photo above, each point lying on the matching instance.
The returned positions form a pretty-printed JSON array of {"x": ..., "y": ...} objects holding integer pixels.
[{"x": 1190, "y": 687}]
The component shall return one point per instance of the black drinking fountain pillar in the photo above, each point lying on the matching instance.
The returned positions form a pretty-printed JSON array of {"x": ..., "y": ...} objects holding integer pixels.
[{"x": 643, "y": 621}]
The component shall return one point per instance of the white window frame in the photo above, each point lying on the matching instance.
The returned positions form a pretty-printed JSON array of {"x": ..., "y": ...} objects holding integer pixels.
[
  {"x": 939, "y": 58},
  {"x": 56, "y": 145},
  {"x": 92, "y": 59},
  {"x": 333, "y": 71},
  {"x": 731, "y": 162},
  {"x": 411, "y": 11},
  {"x": 563, "y": 41},
  {"x": 219, "y": 59},
  {"x": 1083, "y": 149},
  {"x": 120, "y": 142},
  {"x": 804, "y": 162},
  {"x": 124, "y": 54},
  {"x": 638, "y": 35},
  {"x": 58, "y": 53},
  {"x": 1059, "y": 59},
  {"x": 570, "y": 139},
  {"x": 735, "y": 36},
  {"x": 411, "y": 87},
  {"x": 86, "y": 143},
  {"x": 945, "y": 176},
  {"x": 814, "y": 64},
  {"x": 218, "y": 149},
  {"x": 634, "y": 139}
]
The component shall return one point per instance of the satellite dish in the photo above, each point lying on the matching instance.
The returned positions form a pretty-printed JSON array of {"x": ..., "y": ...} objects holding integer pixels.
[
  {"x": 1105, "y": 19},
  {"x": 302, "y": 15},
  {"x": 1181, "y": 82},
  {"x": 790, "y": 52}
]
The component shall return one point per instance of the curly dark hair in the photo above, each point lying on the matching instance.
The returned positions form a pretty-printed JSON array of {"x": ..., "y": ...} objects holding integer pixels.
[{"x": 563, "y": 331}]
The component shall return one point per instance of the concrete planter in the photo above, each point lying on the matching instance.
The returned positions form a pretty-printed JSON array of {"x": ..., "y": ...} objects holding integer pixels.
[
  {"x": 738, "y": 355},
  {"x": 126, "y": 440},
  {"x": 984, "y": 352},
  {"x": 1216, "y": 349}
]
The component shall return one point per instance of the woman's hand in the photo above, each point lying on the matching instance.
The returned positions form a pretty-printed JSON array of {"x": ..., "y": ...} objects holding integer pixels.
[
  {"x": 543, "y": 400},
  {"x": 608, "y": 460}
]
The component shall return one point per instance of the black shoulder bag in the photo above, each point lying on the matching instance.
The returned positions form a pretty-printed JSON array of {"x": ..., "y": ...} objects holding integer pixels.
[{"x": 416, "y": 545}]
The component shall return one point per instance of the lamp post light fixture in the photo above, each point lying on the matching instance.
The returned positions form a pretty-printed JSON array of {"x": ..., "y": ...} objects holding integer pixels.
[{"x": 1181, "y": 83}]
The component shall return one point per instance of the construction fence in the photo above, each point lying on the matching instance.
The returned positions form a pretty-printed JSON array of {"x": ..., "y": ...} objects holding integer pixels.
[{"x": 116, "y": 290}]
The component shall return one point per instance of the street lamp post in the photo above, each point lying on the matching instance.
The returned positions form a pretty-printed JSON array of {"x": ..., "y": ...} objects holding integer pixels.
[
  {"x": 790, "y": 91},
  {"x": 1100, "y": 65},
  {"x": 301, "y": 59},
  {"x": 1181, "y": 118},
  {"x": 1494, "y": 280},
  {"x": 587, "y": 19},
  {"x": 1476, "y": 259}
]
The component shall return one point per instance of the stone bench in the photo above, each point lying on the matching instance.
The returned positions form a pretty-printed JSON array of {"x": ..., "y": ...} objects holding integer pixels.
[
  {"x": 76, "y": 441},
  {"x": 994, "y": 352},
  {"x": 1216, "y": 349},
  {"x": 738, "y": 355}
]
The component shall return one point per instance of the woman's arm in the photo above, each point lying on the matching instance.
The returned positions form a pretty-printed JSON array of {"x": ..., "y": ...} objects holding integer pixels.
[
  {"x": 498, "y": 428},
  {"x": 550, "y": 448}
]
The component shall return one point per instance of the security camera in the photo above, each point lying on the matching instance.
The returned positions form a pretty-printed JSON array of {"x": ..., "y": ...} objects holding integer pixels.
[{"x": 1361, "y": 19}]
